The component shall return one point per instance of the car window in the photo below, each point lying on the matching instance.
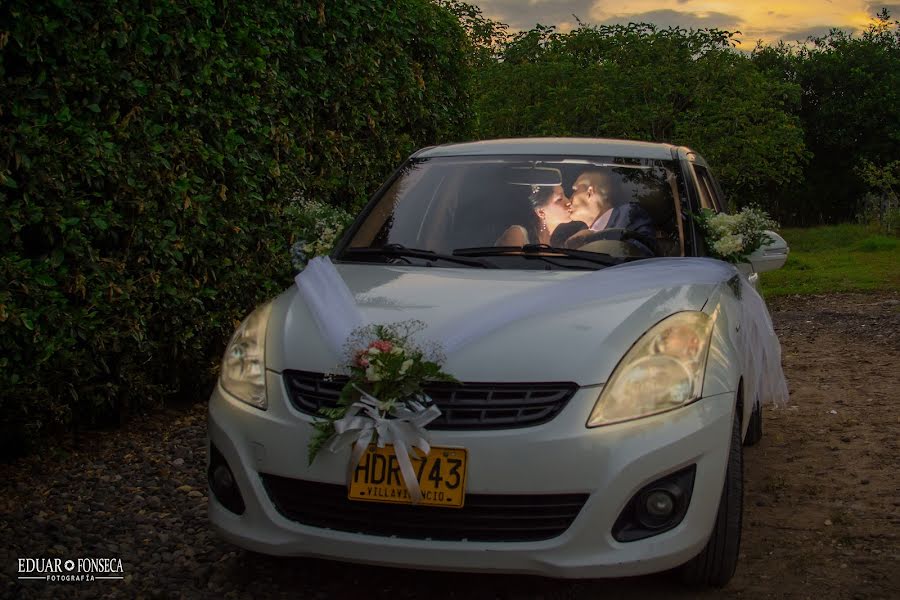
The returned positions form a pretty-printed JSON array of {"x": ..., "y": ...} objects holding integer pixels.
[
  {"x": 453, "y": 204},
  {"x": 709, "y": 196}
]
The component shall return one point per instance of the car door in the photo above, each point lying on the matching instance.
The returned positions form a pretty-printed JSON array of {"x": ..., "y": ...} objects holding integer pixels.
[{"x": 710, "y": 196}]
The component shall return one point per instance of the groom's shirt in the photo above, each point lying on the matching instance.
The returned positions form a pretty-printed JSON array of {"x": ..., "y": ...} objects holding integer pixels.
[{"x": 602, "y": 221}]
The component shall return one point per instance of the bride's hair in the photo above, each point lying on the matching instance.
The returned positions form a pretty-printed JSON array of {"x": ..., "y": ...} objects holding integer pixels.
[
  {"x": 539, "y": 198},
  {"x": 540, "y": 195}
]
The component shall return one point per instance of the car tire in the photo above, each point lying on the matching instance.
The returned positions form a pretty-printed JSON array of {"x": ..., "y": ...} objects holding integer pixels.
[
  {"x": 755, "y": 427},
  {"x": 715, "y": 565}
]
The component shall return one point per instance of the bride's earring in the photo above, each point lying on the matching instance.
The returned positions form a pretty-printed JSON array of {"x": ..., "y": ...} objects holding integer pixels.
[{"x": 543, "y": 222}]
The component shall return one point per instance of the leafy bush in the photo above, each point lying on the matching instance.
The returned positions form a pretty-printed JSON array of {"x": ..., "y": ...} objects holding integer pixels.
[
  {"x": 850, "y": 114},
  {"x": 880, "y": 207},
  {"x": 148, "y": 154}
]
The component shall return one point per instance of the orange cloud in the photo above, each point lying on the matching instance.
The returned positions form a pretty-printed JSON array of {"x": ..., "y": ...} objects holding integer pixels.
[{"x": 767, "y": 20}]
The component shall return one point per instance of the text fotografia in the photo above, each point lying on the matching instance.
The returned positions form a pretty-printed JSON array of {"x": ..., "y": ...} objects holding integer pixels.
[{"x": 78, "y": 569}]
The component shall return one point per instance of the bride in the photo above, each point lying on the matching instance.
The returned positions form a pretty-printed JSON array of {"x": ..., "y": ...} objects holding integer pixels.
[{"x": 550, "y": 208}]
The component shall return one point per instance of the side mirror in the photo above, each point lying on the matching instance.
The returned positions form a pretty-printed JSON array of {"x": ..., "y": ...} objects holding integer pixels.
[{"x": 770, "y": 257}]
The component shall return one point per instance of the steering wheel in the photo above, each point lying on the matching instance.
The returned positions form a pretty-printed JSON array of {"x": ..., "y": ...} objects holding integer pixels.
[{"x": 598, "y": 241}]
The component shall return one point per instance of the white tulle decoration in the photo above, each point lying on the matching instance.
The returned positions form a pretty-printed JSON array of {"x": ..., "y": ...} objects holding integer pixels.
[
  {"x": 337, "y": 315},
  {"x": 330, "y": 301},
  {"x": 760, "y": 348}
]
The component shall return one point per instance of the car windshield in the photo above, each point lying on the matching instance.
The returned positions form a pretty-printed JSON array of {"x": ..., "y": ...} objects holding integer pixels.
[{"x": 523, "y": 212}]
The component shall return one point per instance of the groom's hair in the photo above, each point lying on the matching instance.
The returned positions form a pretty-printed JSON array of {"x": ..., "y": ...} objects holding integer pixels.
[{"x": 603, "y": 183}]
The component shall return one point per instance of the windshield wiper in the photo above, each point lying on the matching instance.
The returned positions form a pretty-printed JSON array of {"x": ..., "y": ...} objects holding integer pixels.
[
  {"x": 539, "y": 250},
  {"x": 401, "y": 251}
]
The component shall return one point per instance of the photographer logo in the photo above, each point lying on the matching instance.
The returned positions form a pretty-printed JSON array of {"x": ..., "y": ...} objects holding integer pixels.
[{"x": 68, "y": 569}]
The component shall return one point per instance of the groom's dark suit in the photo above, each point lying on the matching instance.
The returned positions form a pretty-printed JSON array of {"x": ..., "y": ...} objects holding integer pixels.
[{"x": 630, "y": 216}]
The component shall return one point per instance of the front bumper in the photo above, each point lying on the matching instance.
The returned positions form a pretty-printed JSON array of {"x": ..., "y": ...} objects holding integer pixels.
[{"x": 610, "y": 463}]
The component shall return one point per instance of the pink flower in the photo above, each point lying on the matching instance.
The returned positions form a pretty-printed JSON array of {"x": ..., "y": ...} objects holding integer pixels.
[
  {"x": 361, "y": 359},
  {"x": 382, "y": 345}
]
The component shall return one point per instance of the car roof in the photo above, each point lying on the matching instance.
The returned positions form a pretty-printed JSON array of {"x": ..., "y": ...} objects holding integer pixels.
[{"x": 554, "y": 145}]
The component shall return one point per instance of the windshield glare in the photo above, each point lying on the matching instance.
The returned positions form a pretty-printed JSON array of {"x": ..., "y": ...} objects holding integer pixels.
[{"x": 622, "y": 207}]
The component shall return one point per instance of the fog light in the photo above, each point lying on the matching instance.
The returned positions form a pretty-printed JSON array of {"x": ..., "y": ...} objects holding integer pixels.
[
  {"x": 658, "y": 507},
  {"x": 659, "y": 503},
  {"x": 222, "y": 483}
]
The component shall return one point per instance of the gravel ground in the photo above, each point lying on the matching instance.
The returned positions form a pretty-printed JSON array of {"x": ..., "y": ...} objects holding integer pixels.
[{"x": 822, "y": 514}]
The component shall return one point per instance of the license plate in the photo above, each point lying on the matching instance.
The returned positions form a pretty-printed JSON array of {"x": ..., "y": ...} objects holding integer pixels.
[{"x": 441, "y": 475}]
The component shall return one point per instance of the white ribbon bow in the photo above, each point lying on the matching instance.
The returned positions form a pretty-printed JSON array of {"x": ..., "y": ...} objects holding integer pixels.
[{"x": 404, "y": 428}]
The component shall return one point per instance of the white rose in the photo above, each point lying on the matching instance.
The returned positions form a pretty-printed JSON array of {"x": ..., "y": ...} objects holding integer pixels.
[
  {"x": 720, "y": 223},
  {"x": 728, "y": 245},
  {"x": 406, "y": 365},
  {"x": 372, "y": 373}
]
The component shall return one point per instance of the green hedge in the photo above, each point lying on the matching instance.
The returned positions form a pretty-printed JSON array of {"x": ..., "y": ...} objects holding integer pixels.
[{"x": 148, "y": 155}]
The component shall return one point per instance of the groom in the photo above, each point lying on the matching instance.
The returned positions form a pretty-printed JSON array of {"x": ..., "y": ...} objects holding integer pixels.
[{"x": 594, "y": 203}]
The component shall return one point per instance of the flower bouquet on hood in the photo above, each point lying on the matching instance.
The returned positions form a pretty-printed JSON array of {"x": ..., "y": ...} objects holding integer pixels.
[
  {"x": 733, "y": 238},
  {"x": 387, "y": 371}
]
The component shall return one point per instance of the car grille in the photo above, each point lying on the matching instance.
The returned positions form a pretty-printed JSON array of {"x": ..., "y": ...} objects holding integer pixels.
[
  {"x": 463, "y": 406},
  {"x": 484, "y": 518}
]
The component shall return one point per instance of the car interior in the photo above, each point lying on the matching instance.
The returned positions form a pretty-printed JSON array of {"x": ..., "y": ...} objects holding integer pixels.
[
  {"x": 467, "y": 205},
  {"x": 486, "y": 205}
]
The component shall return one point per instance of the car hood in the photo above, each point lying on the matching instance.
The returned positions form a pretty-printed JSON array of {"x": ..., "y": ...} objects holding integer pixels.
[{"x": 581, "y": 344}]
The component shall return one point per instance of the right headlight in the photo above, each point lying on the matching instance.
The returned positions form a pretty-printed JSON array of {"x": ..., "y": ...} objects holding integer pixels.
[
  {"x": 662, "y": 371},
  {"x": 244, "y": 364}
]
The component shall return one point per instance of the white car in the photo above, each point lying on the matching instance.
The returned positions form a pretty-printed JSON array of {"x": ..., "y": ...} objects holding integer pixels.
[{"x": 596, "y": 435}]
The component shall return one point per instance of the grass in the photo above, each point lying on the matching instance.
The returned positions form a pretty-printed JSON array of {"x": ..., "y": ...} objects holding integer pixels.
[{"x": 836, "y": 258}]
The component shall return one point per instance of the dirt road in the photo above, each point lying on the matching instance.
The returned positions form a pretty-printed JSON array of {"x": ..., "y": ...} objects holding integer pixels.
[{"x": 822, "y": 505}]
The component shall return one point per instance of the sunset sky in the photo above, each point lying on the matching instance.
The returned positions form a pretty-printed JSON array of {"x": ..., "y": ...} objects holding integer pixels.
[{"x": 766, "y": 20}]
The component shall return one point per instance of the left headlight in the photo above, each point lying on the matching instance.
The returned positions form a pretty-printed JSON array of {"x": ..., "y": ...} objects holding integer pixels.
[
  {"x": 244, "y": 364},
  {"x": 662, "y": 371}
]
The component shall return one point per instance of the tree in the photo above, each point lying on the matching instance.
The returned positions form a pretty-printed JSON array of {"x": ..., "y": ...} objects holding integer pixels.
[
  {"x": 635, "y": 81},
  {"x": 851, "y": 114}
]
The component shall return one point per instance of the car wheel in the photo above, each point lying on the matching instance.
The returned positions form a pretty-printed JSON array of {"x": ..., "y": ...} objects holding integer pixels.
[
  {"x": 715, "y": 565},
  {"x": 755, "y": 428}
]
